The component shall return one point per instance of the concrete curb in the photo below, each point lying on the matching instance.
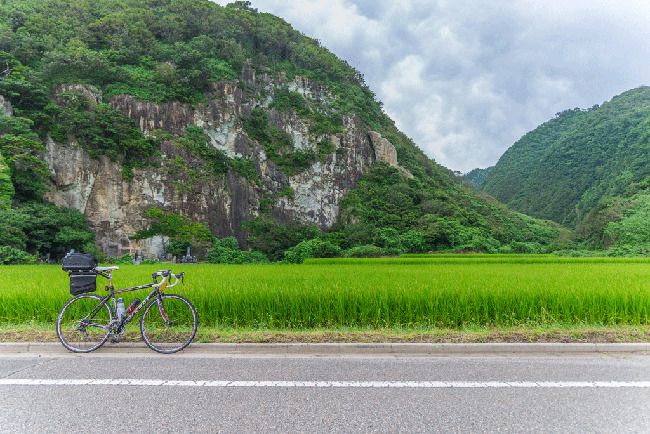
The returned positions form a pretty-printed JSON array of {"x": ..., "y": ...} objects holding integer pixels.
[{"x": 333, "y": 349}]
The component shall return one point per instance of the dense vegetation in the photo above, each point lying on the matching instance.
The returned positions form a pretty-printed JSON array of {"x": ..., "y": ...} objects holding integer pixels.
[
  {"x": 174, "y": 50},
  {"x": 586, "y": 169},
  {"x": 43, "y": 228},
  {"x": 402, "y": 214},
  {"x": 478, "y": 177}
]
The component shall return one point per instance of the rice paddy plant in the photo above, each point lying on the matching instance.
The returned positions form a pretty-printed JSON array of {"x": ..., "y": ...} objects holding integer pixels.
[{"x": 379, "y": 293}]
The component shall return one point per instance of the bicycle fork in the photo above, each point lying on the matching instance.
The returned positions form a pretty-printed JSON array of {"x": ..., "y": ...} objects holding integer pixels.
[{"x": 163, "y": 312}]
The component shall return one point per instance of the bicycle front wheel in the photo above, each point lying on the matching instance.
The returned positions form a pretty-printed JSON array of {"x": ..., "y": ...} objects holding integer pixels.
[
  {"x": 169, "y": 323},
  {"x": 83, "y": 325}
]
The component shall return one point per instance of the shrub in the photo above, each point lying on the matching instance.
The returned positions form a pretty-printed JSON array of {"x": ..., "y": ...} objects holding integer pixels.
[
  {"x": 519, "y": 247},
  {"x": 629, "y": 250},
  {"x": 227, "y": 243},
  {"x": 354, "y": 235},
  {"x": 178, "y": 248},
  {"x": 236, "y": 257},
  {"x": 367, "y": 251},
  {"x": 486, "y": 244},
  {"x": 11, "y": 256},
  {"x": 316, "y": 248},
  {"x": 125, "y": 259},
  {"x": 273, "y": 239},
  {"x": 286, "y": 99},
  {"x": 389, "y": 239},
  {"x": 226, "y": 251},
  {"x": 507, "y": 249},
  {"x": 413, "y": 242}
]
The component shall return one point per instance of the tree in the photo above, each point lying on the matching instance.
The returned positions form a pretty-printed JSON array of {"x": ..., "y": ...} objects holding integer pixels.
[
  {"x": 7, "y": 190},
  {"x": 242, "y": 5},
  {"x": 22, "y": 151}
]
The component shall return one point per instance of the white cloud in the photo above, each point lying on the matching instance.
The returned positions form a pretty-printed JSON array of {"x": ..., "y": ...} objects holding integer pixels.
[
  {"x": 467, "y": 78},
  {"x": 404, "y": 79}
]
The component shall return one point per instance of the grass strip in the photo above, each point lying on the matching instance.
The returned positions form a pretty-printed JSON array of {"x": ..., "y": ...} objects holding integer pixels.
[{"x": 539, "y": 334}]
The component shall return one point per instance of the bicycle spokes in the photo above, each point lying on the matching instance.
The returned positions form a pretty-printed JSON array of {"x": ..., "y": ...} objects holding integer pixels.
[
  {"x": 83, "y": 323},
  {"x": 171, "y": 325}
]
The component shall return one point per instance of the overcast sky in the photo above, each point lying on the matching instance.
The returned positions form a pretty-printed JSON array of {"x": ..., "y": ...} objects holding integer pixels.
[{"x": 465, "y": 79}]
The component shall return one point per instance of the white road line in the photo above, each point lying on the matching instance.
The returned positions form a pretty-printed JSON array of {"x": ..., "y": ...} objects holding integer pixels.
[{"x": 327, "y": 384}]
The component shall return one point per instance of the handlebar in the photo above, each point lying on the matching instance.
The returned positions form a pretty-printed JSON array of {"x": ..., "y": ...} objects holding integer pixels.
[{"x": 166, "y": 274}]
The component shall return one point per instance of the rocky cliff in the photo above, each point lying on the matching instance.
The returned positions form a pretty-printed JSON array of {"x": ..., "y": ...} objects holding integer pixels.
[{"x": 180, "y": 184}]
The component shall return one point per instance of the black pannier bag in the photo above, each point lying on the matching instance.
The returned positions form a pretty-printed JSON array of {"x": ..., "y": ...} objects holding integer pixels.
[
  {"x": 79, "y": 262},
  {"x": 81, "y": 283}
]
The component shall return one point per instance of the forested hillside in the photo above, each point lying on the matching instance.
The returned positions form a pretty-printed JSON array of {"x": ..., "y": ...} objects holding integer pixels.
[
  {"x": 585, "y": 169},
  {"x": 478, "y": 177},
  {"x": 75, "y": 72}
]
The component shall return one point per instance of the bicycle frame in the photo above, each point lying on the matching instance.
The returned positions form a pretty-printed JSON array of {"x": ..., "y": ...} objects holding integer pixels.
[{"x": 116, "y": 326}]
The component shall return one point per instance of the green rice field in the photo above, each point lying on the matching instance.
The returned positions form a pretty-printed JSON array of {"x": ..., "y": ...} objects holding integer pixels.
[{"x": 432, "y": 291}]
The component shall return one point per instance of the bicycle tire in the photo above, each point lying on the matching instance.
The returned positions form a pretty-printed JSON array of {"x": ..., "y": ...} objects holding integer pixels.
[
  {"x": 171, "y": 334},
  {"x": 78, "y": 333}
]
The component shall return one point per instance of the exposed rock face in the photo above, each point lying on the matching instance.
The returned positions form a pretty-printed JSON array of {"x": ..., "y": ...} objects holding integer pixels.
[
  {"x": 114, "y": 205},
  {"x": 5, "y": 107},
  {"x": 384, "y": 150},
  {"x": 89, "y": 91}
]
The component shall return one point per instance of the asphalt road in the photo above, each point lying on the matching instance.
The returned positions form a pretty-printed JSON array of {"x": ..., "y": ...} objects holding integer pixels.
[{"x": 306, "y": 393}]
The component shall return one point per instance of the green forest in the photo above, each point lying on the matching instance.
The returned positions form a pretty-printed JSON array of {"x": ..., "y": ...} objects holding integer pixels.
[
  {"x": 174, "y": 50},
  {"x": 587, "y": 170}
]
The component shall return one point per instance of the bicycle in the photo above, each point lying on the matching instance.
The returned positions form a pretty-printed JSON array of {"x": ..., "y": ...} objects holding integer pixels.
[{"x": 168, "y": 323}]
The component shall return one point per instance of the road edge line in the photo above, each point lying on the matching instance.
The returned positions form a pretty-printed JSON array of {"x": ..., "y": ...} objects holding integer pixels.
[{"x": 289, "y": 349}]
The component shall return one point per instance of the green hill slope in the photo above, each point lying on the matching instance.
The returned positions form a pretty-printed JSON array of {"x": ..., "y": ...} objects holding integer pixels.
[
  {"x": 478, "y": 177},
  {"x": 564, "y": 168}
]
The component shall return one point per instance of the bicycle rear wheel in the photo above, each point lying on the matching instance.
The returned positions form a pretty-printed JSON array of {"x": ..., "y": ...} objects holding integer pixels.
[
  {"x": 83, "y": 324},
  {"x": 169, "y": 323}
]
